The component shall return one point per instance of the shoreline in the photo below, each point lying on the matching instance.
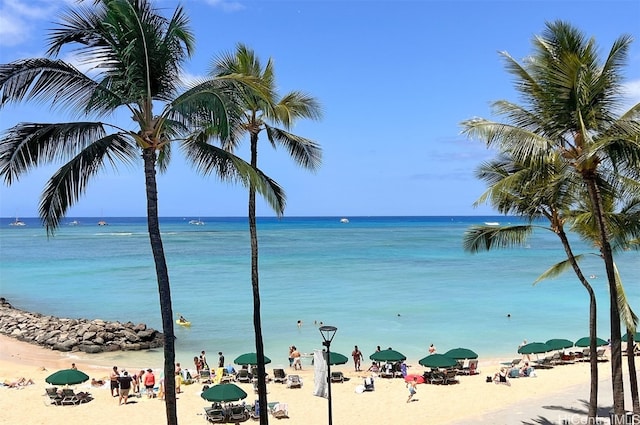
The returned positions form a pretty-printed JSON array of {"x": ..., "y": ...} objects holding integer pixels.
[{"x": 435, "y": 404}]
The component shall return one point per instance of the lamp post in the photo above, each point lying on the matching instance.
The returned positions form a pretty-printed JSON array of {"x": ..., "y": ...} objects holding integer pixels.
[{"x": 328, "y": 332}]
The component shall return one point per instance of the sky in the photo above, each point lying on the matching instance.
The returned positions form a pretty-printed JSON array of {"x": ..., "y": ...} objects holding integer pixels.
[{"x": 395, "y": 80}]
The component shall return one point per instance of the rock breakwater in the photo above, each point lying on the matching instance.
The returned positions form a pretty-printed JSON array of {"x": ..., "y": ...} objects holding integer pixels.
[{"x": 89, "y": 336}]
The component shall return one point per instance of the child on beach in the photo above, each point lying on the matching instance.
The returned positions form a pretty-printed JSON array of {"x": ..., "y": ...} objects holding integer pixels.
[{"x": 412, "y": 388}]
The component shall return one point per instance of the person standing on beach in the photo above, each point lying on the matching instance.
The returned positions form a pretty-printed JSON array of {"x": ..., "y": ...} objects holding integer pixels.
[
  {"x": 290, "y": 356},
  {"x": 432, "y": 349},
  {"x": 220, "y": 359},
  {"x": 412, "y": 388},
  {"x": 125, "y": 385},
  {"x": 357, "y": 358},
  {"x": 113, "y": 382},
  {"x": 525, "y": 356},
  {"x": 297, "y": 364},
  {"x": 203, "y": 360},
  {"x": 149, "y": 382}
]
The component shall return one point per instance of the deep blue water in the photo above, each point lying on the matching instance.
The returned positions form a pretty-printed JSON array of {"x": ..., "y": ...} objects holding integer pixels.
[{"x": 403, "y": 282}]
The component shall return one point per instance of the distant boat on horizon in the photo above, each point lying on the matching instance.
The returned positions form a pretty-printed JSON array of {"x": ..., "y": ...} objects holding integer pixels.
[
  {"x": 197, "y": 222},
  {"x": 492, "y": 223},
  {"x": 344, "y": 220},
  {"x": 102, "y": 223},
  {"x": 74, "y": 223},
  {"x": 17, "y": 222}
]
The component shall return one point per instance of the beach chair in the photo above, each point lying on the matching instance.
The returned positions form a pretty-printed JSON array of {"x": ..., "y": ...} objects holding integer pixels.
[
  {"x": 450, "y": 377},
  {"x": 54, "y": 397},
  {"x": 69, "y": 397},
  {"x": 237, "y": 414},
  {"x": 214, "y": 415},
  {"x": 437, "y": 377},
  {"x": 387, "y": 371},
  {"x": 600, "y": 354},
  {"x": 337, "y": 377},
  {"x": 368, "y": 384},
  {"x": 471, "y": 368},
  {"x": 243, "y": 376},
  {"x": 279, "y": 375},
  {"x": 512, "y": 363},
  {"x": 280, "y": 410},
  {"x": 294, "y": 381}
]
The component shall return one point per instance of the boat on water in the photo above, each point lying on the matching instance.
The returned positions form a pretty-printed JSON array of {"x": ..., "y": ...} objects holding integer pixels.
[
  {"x": 197, "y": 222},
  {"x": 17, "y": 222},
  {"x": 102, "y": 223},
  {"x": 74, "y": 223},
  {"x": 492, "y": 223},
  {"x": 185, "y": 323},
  {"x": 344, "y": 220}
]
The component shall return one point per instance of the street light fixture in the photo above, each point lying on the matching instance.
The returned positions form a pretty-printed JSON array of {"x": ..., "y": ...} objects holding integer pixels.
[{"x": 328, "y": 332}]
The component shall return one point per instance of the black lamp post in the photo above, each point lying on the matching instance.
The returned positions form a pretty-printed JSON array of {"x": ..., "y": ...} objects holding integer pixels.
[{"x": 328, "y": 332}]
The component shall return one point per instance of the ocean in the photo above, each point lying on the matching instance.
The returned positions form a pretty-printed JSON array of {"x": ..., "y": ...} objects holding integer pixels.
[{"x": 400, "y": 282}]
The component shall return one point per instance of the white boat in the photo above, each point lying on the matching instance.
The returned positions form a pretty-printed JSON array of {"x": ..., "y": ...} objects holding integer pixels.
[
  {"x": 74, "y": 223},
  {"x": 344, "y": 220},
  {"x": 102, "y": 223},
  {"x": 197, "y": 222},
  {"x": 17, "y": 222},
  {"x": 492, "y": 223}
]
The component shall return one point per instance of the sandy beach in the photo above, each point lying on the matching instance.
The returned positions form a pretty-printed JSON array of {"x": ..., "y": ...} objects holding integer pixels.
[{"x": 471, "y": 401}]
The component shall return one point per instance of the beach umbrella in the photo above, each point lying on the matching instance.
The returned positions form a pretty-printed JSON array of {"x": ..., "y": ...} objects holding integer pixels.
[
  {"x": 534, "y": 348},
  {"x": 559, "y": 344},
  {"x": 438, "y": 360},
  {"x": 387, "y": 356},
  {"x": 636, "y": 337},
  {"x": 224, "y": 393},
  {"x": 67, "y": 377},
  {"x": 461, "y": 353},
  {"x": 337, "y": 358},
  {"x": 584, "y": 342},
  {"x": 419, "y": 378},
  {"x": 250, "y": 359}
]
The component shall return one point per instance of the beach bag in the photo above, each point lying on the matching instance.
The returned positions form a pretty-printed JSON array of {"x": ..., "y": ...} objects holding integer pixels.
[{"x": 489, "y": 379}]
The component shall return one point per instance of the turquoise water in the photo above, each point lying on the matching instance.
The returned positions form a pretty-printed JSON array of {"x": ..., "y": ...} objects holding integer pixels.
[{"x": 401, "y": 282}]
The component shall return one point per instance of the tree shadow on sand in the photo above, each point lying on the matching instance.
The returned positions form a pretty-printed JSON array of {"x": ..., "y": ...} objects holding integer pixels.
[{"x": 571, "y": 415}]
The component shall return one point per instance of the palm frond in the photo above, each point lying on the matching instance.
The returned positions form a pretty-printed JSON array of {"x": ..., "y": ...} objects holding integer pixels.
[
  {"x": 558, "y": 268},
  {"x": 485, "y": 238},
  {"x": 628, "y": 317},
  {"x": 67, "y": 185},
  {"x": 305, "y": 152}
]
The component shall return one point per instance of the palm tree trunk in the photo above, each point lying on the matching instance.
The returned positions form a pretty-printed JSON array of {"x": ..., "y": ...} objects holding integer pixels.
[
  {"x": 593, "y": 358},
  {"x": 164, "y": 288},
  {"x": 257, "y": 324},
  {"x": 633, "y": 377},
  {"x": 614, "y": 312}
]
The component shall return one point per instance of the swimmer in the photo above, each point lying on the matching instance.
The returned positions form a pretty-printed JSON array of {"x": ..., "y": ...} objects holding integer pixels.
[{"x": 299, "y": 324}]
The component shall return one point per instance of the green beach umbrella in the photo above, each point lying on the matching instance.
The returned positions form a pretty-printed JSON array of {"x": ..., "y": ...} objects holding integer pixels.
[
  {"x": 437, "y": 360},
  {"x": 534, "y": 348},
  {"x": 224, "y": 393},
  {"x": 584, "y": 342},
  {"x": 250, "y": 359},
  {"x": 559, "y": 344},
  {"x": 337, "y": 358},
  {"x": 461, "y": 353},
  {"x": 387, "y": 356},
  {"x": 636, "y": 337},
  {"x": 67, "y": 377}
]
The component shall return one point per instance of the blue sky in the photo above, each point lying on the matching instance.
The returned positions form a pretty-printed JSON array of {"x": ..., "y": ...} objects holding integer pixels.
[{"x": 394, "y": 78}]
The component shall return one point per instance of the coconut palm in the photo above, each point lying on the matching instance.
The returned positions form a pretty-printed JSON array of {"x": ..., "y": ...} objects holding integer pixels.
[
  {"x": 571, "y": 100},
  {"x": 262, "y": 114},
  {"x": 544, "y": 193},
  {"x": 136, "y": 56}
]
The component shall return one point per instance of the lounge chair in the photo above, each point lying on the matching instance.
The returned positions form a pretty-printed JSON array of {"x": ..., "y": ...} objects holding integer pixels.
[
  {"x": 387, "y": 371},
  {"x": 437, "y": 377},
  {"x": 294, "y": 381},
  {"x": 54, "y": 396},
  {"x": 279, "y": 375},
  {"x": 237, "y": 414},
  {"x": 471, "y": 368},
  {"x": 544, "y": 363},
  {"x": 450, "y": 377},
  {"x": 368, "y": 384},
  {"x": 69, "y": 397},
  {"x": 280, "y": 410},
  {"x": 337, "y": 377},
  {"x": 214, "y": 415},
  {"x": 243, "y": 376},
  {"x": 600, "y": 354},
  {"x": 512, "y": 363}
]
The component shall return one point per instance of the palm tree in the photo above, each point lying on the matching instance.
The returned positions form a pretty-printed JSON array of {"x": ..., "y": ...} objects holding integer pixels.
[
  {"x": 257, "y": 115},
  {"x": 570, "y": 102},
  {"x": 538, "y": 193},
  {"x": 136, "y": 55}
]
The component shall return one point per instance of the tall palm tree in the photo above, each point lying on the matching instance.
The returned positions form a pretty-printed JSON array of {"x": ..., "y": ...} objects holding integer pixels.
[
  {"x": 136, "y": 55},
  {"x": 538, "y": 193},
  {"x": 258, "y": 114},
  {"x": 571, "y": 99}
]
